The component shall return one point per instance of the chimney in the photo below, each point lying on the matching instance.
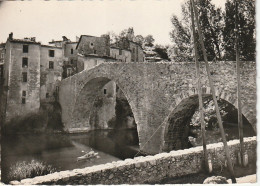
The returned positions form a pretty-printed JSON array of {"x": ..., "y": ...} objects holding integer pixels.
[
  {"x": 33, "y": 39},
  {"x": 64, "y": 38},
  {"x": 11, "y": 36}
]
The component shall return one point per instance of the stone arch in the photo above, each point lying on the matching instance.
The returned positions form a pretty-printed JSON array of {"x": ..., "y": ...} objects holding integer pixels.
[
  {"x": 191, "y": 96},
  {"x": 85, "y": 99}
]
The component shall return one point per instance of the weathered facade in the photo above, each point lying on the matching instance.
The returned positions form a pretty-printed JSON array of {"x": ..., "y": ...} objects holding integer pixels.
[
  {"x": 22, "y": 76},
  {"x": 32, "y": 73},
  {"x": 137, "y": 54},
  {"x": 122, "y": 55},
  {"x": 51, "y": 71},
  {"x": 93, "y": 45}
]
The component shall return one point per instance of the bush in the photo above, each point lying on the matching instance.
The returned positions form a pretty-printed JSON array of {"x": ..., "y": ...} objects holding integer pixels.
[{"x": 22, "y": 170}]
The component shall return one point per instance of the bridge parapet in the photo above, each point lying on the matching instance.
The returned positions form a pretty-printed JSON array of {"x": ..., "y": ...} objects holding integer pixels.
[{"x": 149, "y": 169}]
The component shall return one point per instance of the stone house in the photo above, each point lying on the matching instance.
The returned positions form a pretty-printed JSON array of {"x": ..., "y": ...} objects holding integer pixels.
[
  {"x": 51, "y": 62},
  {"x": 137, "y": 54},
  {"x": 122, "y": 55},
  {"x": 22, "y": 76},
  {"x": 31, "y": 74},
  {"x": 70, "y": 55}
]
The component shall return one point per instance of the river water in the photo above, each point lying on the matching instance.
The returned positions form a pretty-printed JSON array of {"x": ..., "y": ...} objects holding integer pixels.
[{"x": 61, "y": 150}]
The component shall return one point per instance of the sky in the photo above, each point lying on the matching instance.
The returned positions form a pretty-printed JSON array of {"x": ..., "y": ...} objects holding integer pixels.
[{"x": 53, "y": 19}]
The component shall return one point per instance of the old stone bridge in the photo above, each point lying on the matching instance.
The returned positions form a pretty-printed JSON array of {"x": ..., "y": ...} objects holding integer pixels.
[{"x": 156, "y": 92}]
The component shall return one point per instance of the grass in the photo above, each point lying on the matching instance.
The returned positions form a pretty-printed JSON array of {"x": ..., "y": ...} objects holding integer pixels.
[{"x": 22, "y": 170}]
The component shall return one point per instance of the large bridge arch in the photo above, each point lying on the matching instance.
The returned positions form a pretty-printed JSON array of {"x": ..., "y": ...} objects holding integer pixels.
[
  {"x": 175, "y": 132},
  {"x": 85, "y": 98}
]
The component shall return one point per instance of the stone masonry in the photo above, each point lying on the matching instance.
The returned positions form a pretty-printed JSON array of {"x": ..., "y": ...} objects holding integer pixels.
[
  {"x": 154, "y": 91},
  {"x": 149, "y": 169}
]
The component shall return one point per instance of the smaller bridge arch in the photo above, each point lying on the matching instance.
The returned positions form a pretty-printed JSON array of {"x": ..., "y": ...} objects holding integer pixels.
[{"x": 176, "y": 129}]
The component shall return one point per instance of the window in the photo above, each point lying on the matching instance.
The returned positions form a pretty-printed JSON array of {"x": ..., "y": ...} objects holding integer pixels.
[
  {"x": 25, "y": 62},
  {"x": 47, "y": 95},
  {"x": 92, "y": 44},
  {"x": 71, "y": 61},
  {"x": 120, "y": 52},
  {"x": 105, "y": 91},
  {"x": 95, "y": 51},
  {"x": 24, "y": 76},
  {"x": 71, "y": 51},
  {"x": 69, "y": 72},
  {"x": 25, "y": 48},
  {"x": 51, "y": 53},
  {"x": 51, "y": 65},
  {"x": 23, "y": 97}
]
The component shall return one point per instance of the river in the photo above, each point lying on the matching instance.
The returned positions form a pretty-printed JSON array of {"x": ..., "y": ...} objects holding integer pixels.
[{"x": 61, "y": 150}]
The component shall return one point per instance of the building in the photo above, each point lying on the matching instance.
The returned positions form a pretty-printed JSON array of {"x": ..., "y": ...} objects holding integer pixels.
[
  {"x": 22, "y": 76},
  {"x": 31, "y": 74},
  {"x": 2, "y": 56},
  {"x": 137, "y": 54},
  {"x": 51, "y": 63},
  {"x": 122, "y": 55},
  {"x": 93, "y": 51},
  {"x": 70, "y": 55}
]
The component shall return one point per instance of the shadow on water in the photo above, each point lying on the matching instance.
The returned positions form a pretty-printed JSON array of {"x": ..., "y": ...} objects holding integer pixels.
[{"x": 61, "y": 150}]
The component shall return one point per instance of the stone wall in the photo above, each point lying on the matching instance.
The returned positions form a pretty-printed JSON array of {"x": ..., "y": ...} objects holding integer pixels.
[
  {"x": 154, "y": 91},
  {"x": 149, "y": 169},
  {"x": 93, "y": 45}
]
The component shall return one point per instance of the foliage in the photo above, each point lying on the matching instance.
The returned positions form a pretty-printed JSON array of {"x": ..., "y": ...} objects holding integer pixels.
[
  {"x": 211, "y": 21},
  {"x": 210, "y": 117},
  {"x": 246, "y": 29},
  {"x": 218, "y": 31},
  {"x": 22, "y": 170},
  {"x": 129, "y": 34},
  {"x": 162, "y": 52},
  {"x": 139, "y": 39},
  {"x": 149, "y": 40},
  {"x": 48, "y": 118}
]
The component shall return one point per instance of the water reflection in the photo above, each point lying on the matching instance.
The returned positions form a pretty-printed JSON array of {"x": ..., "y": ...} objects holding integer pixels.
[{"x": 61, "y": 150}]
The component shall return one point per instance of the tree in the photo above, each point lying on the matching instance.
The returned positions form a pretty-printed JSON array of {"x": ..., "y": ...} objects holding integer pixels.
[
  {"x": 113, "y": 37},
  {"x": 181, "y": 40},
  {"x": 211, "y": 21},
  {"x": 246, "y": 29},
  {"x": 149, "y": 40},
  {"x": 139, "y": 39},
  {"x": 162, "y": 52}
]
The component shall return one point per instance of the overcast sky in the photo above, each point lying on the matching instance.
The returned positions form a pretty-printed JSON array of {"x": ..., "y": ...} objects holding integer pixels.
[{"x": 52, "y": 20}]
